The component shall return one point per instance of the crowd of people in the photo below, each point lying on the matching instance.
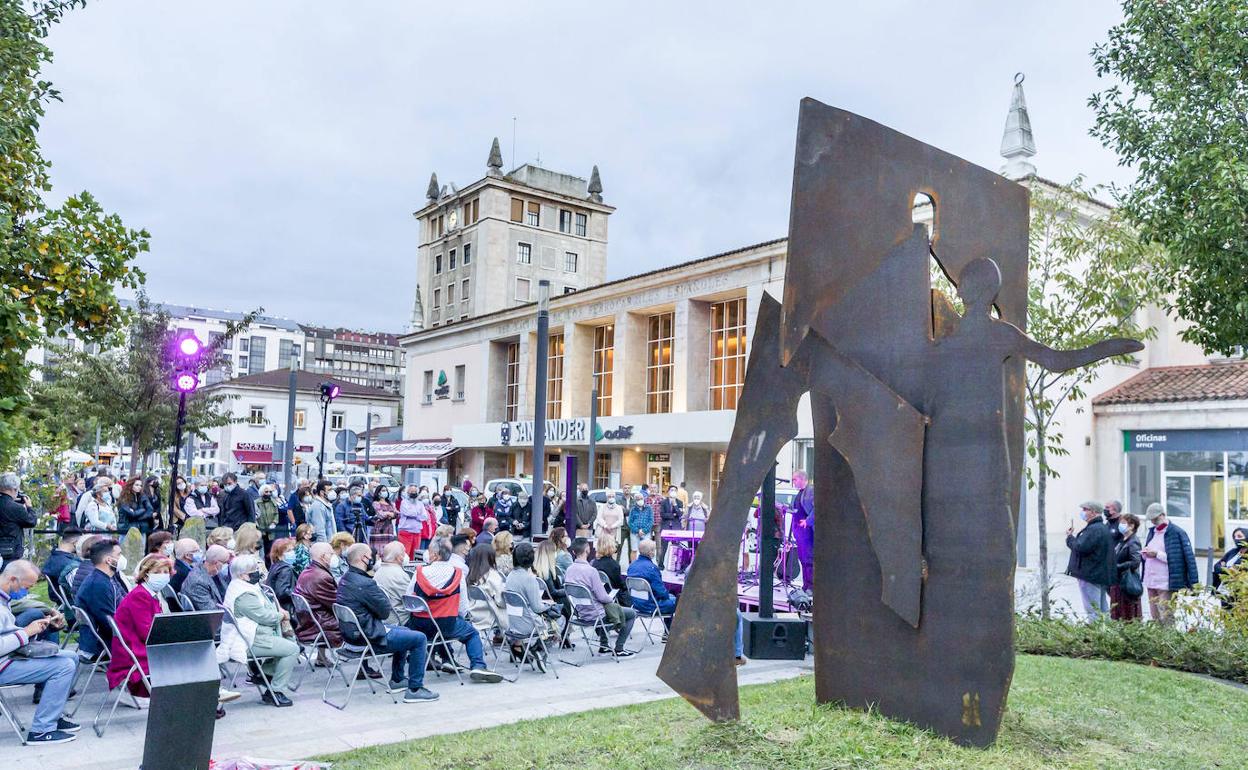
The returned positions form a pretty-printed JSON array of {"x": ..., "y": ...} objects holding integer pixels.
[
  {"x": 422, "y": 576},
  {"x": 1117, "y": 564}
]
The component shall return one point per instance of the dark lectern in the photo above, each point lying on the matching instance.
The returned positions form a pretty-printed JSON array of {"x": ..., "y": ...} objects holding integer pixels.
[{"x": 185, "y": 681}]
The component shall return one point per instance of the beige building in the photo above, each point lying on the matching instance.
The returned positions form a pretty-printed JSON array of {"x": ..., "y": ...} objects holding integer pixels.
[{"x": 517, "y": 229}]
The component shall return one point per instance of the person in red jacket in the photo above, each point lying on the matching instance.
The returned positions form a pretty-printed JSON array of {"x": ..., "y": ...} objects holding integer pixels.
[{"x": 134, "y": 618}]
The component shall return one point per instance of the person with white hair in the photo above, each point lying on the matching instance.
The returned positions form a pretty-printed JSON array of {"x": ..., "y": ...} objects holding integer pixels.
[
  {"x": 696, "y": 514},
  {"x": 55, "y": 673},
  {"x": 15, "y": 516},
  {"x": 259, "y": 621},
  {"x": 610, "y": 520},
  {"x": 206, "y": 585},
  {"x": 185, "y": 554}
]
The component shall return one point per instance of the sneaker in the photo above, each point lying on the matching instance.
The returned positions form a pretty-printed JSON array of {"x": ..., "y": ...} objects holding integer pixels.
[
  {"x": 275, "y": 699},
  {"x": 485, "y": 675},
  {"x": 448, "y": 667},
  {"x": 397, "y": 686},
  {"x": 625, "y": 653},
  {"x": 420, "y": 695},
  {"x": 604, "y": 649},
  {"x": 740, "y": 661},
  {"x": 225, "y": 696},
  {"x": 51, "y": 736},
  {"x": 66, "y": 726}
]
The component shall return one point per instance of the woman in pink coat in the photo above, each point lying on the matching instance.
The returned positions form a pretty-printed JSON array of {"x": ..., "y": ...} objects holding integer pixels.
[{"x": 134, "y": 618}]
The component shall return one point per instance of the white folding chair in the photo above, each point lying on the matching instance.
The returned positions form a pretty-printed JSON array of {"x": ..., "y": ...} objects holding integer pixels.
[
  {"x": 417, "y": 606},
  {"x": 581, "y": 597},
  {"x": 123, "y": 687},
  {"x": 526, "y": 629},
  {"x": 348, "y": 652},
  {"x": 101, "y": 661},
  {"x": 639, "y": 590},
  {"x": 309, "y": 649},
  {"x": 10, "y": 715},
  {"x": 487, "y": 635},
  {"x": 252, "y": 661}
]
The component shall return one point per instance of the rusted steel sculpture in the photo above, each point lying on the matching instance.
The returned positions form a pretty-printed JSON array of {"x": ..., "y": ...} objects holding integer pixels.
[{"x": 919, "y": 432}]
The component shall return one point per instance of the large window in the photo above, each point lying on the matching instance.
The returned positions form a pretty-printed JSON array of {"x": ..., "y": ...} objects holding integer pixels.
[
  {"x": 524, "y": 253},
  {"x": 659, "y": 340},
  {"x": 437, "y": 264},
  {"x": 727, "y": 352},
  {"x": 472, "y": 212},
  {"x": 517, "y": 210},
  {"x": 565, "y": 221},
  {"x": 287, "y": 351},
  {"x": 581, "y": 222},
  {"x": 554, "y": 378},
  {"x": 604, "y": 366},
  {"x": 450, "y": 264},
  {"x": 512, "y": 396},
  {"x": 467, "y": 253}
]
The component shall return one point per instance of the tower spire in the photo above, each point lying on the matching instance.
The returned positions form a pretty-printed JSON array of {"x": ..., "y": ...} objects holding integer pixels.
[
  {"x": 434, "y": 190},
  {"x": 1017, "y": 143},
  {"x": 495, "y": 163},
  {"x": 418, "y": 313},
  {"x": 595, "y": 186}
]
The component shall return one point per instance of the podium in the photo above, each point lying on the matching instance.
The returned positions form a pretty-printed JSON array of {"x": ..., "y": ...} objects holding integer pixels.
[{"x": 182, "y": 664}]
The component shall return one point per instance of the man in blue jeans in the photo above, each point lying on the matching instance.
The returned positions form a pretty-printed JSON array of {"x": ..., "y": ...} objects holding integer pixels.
[
  {"x": 441, "y": 584},
  {"x": 55, "y": 673},
  {"x": 361, "y": 594}
]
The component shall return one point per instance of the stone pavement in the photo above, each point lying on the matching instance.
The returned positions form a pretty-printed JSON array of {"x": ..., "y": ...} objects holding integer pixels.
[{"x": 310, "y": 727}]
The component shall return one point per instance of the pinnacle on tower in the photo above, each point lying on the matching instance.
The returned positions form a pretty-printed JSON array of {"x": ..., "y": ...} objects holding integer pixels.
[
  {"x": 417, "y": 322},
  {"x": 495, "y": 163},
  {"x": 434, "y": 190},
  {"x": 1017, "y": 143},
  {"x": 595, "y": 186}
]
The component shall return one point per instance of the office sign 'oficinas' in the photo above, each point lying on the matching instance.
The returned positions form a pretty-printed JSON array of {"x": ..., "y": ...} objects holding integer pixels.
[{"x": 571, "y": 431}]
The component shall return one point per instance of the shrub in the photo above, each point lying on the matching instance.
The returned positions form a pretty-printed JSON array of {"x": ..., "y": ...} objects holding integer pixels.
[{"x": 1199, "y": 650}]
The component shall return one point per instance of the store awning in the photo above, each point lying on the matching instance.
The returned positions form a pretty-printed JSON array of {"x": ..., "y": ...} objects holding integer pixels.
[
  {"x": 253, "y": 456},
  {"x": 421, "y": 452}
]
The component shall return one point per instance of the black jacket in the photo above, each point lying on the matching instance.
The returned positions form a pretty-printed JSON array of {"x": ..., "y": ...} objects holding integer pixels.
[
  {"x": 1126, "y": 557},
  {"x": 670, "y": 512},
  {"x": 586, "y": 512},
  {"x": 361, "y": 594},
  {"x": 1240, "y": 560},
  {"x": 450, "y": 510},
  {"x": 615, "y": 577},
  {"x": 282, "y": 580},
  {"x": 180, "y": 570},
  {"x": 14, "y": 517},
  {"x": 1092, "y": 555},
  {"x": 236, "y": 509}
]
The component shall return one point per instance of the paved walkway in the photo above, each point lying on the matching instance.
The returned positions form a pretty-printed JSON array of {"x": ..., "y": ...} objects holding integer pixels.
[{"x": 310, "y": 727}]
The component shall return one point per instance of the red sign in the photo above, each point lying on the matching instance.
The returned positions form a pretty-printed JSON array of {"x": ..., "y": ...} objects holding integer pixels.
[{"x": 247, "y": 446}]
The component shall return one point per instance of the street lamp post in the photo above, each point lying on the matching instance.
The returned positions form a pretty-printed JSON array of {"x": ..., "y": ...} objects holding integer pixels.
[
  {"x": 186, "y": 355},
  {"x": 329, "y": 391},
  {"x": 288, "y": 456},
  {"x": 537, "y": 495},
  {"x": 592, "y": 472}
]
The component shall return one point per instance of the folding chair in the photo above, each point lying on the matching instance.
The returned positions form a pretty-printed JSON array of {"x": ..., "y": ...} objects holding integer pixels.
[
  {"x": 252, "y": 661},
  {"x": 606, "y": 579},
  {"x": 93, "y": 664},
  {"x": 487, "y": 636},
  {"x": 11, "y": 715},
  {"x": 185, "y": 602},
  {"x": 525, "y": 628},
  {"x": 320, "y": 642},
  {"x": 348, "y": 651},
  {"x": 418, "y": 606},
  {"x": 580, "y": 596},
  {"x": 123, "y": 687},
  {"x": 66, "y": 603},
  {"x": 639, "y": 590}
]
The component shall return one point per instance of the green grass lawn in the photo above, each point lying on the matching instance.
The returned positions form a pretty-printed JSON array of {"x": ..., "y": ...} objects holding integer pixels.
[{"x": 1062, "y": 714}]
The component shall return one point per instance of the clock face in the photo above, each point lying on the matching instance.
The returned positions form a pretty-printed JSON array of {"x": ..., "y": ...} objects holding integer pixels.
[{"x": 453, "y": 219}]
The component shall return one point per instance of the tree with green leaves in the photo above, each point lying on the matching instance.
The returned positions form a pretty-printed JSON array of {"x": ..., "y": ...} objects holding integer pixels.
[
  {"x": 59, "y": 266},
  {"x": 1178, "y": 113},
  {"x": 129, "y": 389},
  {"x": 1090, "y": 276}
]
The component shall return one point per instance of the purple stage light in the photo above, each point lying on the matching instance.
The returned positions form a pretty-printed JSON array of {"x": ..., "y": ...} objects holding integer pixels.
[
  {"x": 189, "y": 346},
  {"x": 334, "y": 391},
  {"x": 186, "y": 382}
]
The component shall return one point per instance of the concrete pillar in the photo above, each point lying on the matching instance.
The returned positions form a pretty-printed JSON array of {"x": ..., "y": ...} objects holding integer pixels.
[
  {"x": 696, "y": 472},
  {"x": 578, "y": 369},
  {"x": 630, "y": 365},
  {"x": 693, "y": 357},
  {"x": 524, "y": 409}
]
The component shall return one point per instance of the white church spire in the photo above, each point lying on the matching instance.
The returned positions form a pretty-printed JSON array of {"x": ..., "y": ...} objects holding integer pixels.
[
  {"x": 418, "y": 314},
  {"x": 1017, "y": 143}
]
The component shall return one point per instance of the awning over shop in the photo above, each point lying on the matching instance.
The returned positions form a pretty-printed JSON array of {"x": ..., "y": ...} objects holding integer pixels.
[
  {"x": 254, "y": 456},
  {"x": 421, "y": 452}
]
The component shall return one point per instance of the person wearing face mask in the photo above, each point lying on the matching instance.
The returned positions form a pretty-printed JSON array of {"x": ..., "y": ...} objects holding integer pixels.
[
  {"x": 411, "y": 521},
  {"x": 201, "y": 503},
  {"x": 431, "y": 517},
  {"x": 236, "y": 508},
  {"x": 1124, "y": 594},
  {"x": 352, "y": 514},
  {"x": 185, "y": 555},
  {"x": 1092, "y": 561},
  {"x": 340, "y": 542},
  {"x": 296, "y": 504},
  {"x": 305, "y": 536},
  {"x": 671, "y": 512},
  {"x": 100, "y": 593},
  {"x": 133, "y": 509},
  {"x": 479, "y": 510},
  {"x": 15, "y": 516},
  {"x": 505, "y": 511},
  {"x": 320, "y": 510},
  {"x": 453, "y": 511},
  {"x": 609, "y": 522},
  {"x": 586, "y": 511},
  {"x": 1169, "y": 563},
  {"x": 155, "y": 500},
  {"x": 640, "y": 523},
  {"x": 160, "y": 543},
  {"x": 383, "y": 519},
  {"x": 206, "y": 584},
  {"x": 98, "y": 513},
  {"x": 696, "y": 514},
  {"x": 317, "y": 585},
  {"x": 53, "y": 675},
  {"x": 1236, "y": 558},
  {"x": 272, "y": 518},
  {"x": 281, "y": 577},
  {"x": 177, "y": 514},
  {"x": 257, "y": 622},
  {"x": 134, "y": 617}
]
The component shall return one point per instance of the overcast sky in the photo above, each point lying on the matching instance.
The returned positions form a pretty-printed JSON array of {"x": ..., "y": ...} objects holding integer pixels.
[{"x": 276, "y": 150}]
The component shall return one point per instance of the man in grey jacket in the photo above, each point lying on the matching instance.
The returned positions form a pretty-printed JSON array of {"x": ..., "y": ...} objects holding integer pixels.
[
  {"x": 55, "y": 673},
  {"x": 205, "y": 586}
]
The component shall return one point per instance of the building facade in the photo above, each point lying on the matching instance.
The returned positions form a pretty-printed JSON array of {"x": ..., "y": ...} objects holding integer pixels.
[
  {"x": 363, "y": 358},
  {"x": 259, "y": 404},
  {"x": 484, "y": 247}
]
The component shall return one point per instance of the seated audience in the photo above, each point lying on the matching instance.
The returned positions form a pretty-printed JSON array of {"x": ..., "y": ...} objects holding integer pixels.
[
  {"x": 185, "y": 552},
  {"x": 281, "y": 577},
  {"x": 207, "y": 583},
  {"x": 305, "y": 536},
  {"x": 616, "y": 617},
  {"x": 607, "y": 547},
  {"x": 340, "y": 542},
  {"x": 522, "y": 580},
  {"x": 393, "y": 580},
  {"x": 61, "y": 561},
  {"x": 134, "y": 618},
  {"x": 222, "y": 536},
  {"x": 502, "y": 543},
  {"x": 54, "y": 674},
  {"x": 644, "y": 567},
  {"x": 489, "y": 530},
  {"x": 259, "y": 621},
  {"x": 361, "y": 594},
  {"x": 100, "y": 593},
  {"x": 317, "y": 585},
  {"x": 440, "y": 584},
  {"x": 483, "y": 574},
  {"x": 160, "y": 543}
]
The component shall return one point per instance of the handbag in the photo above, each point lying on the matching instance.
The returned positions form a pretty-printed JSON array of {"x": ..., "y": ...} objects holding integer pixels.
[
  {"x": 37, "y": 648},
  {"x": 1132, "y": 585}
]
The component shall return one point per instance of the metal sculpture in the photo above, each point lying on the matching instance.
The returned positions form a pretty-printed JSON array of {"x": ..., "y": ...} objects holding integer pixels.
[{"x": 919, "y": 432}]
